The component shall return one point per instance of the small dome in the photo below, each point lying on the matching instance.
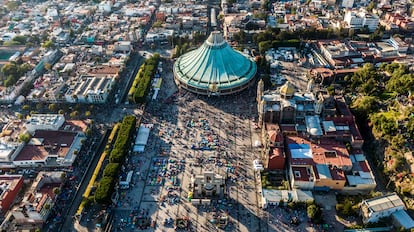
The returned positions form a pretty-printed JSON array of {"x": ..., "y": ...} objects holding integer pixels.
[{"x": 288, "y": 89}]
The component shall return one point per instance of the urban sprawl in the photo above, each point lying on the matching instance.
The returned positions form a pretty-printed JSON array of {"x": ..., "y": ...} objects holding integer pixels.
[{"x": 247, "y": 115}]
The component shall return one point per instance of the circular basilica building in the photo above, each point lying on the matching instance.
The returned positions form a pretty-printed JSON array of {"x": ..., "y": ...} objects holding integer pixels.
[{"x": 214, "y": 68}]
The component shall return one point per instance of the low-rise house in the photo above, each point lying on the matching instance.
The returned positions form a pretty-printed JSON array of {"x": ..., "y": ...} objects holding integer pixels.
[
  {"x": 272, "y": 197},
  {"x": 374, "y": 209},
  {"x": 36, "y": 205}
]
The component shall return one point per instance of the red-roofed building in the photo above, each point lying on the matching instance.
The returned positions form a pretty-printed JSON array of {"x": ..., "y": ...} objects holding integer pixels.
[
  {"x": 36, "y": 205},
  {"x": 273, "y": 141},
  {"x": 319, "y": 166},
  {"x": 50, "y": 148},
  {"x": 276, "y": 159},
  {"x": 10, "y": 186}
]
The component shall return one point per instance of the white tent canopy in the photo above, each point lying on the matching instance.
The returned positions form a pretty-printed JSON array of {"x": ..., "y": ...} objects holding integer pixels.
[
  {"x": 141, "y": 139},
  {"x": 142, "y": 136}
]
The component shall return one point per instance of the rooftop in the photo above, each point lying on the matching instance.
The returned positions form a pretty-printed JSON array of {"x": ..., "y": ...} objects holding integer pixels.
[
  {"x": 8, "y": 183},
  {"x": 383, "y": 203},
  {"x": 45, "y": 119},
  {"x": 327, "y": 151},
  {"x": 214, "y": 63},
  {"x": 54, "y": 143}
]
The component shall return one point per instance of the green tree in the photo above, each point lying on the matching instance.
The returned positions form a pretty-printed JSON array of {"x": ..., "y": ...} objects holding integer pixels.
[
  {"x": 331, "y": 90},
  {"x": 111, "y": 170},
  {"x": 410, "y": 127},
  {"x": 21, "y": 39},
  {"x": 397, "y": 142},
  {"x": 9, "y": 69},
  {"x": 52, "y": 107},
  {"x": 383, "y": 124},
  {"x": 33, "y": 39},
  {"x": 25, "y": 137},
  {"x": 314, "y": 212},
  {"x": 400, "y": 83},
  {"x": 347, "y": 208},
  {"x": 25, "y": 107},
  {"x": 46, "y": 206},
  {"x": 371, "y": 6},
  {"x": 104, "y": 191},
  {"x": 39, "y": 106},
  {"x": 364, "y": 105},
  {"x": 88, "y": 132},
  {"x": 49, "y": 44},
  {"x": 74, "y": 114},
  {"x": 48, "y": 66},
  {"x": 157, "y": 24},
  {"x": 56, "y": 191},
  {"x": 264, "y": 46}
]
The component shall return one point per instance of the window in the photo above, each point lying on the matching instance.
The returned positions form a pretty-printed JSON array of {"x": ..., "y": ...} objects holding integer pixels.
[
  {"x": 297, "y": 173},
  {"x": 330, "y": 154}
]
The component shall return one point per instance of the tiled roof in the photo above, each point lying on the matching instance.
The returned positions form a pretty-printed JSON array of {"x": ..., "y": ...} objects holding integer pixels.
[{"x": 54, "y": 142}]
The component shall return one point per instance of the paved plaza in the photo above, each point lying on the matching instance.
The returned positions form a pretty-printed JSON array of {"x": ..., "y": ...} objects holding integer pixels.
[{"x": 193, "y": 134}]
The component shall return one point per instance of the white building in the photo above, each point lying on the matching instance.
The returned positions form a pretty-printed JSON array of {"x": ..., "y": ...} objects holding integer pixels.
[
  {"x": 374, "y": 209},
  {"x": 44, "y": 122},
  {"x": 105, "y": 6},
  {"x": 360, "y": 19},
  {"x": 275, "y": 197},
  {"x": 371, "y": 21},
  {"x": 398, "y": 44},
  {"x": 347, "y": 3},
  {"x": 90, "y": 89},
  {"x": 353, "y": 20},
  {"x": 8, "y": 152},
  {"x": 123, "y": 47}
]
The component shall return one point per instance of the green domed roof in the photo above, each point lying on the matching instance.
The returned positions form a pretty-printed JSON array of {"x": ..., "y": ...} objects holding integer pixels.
[{"x": 214, "y": 67}]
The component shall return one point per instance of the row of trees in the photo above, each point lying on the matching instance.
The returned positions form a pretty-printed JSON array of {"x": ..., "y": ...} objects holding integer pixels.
[
  {"x": 87, "y": 198},
  {"x": 116, "y": 159},
  {"x": 140, "y": 87}
]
